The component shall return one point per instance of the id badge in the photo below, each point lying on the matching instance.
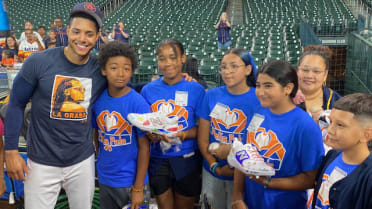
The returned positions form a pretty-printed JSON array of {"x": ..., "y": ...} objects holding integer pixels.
[
  {"x": 255, "y": 122},
  {"x": 181, "y": 98},
  {"x": 218, "y": 111}
]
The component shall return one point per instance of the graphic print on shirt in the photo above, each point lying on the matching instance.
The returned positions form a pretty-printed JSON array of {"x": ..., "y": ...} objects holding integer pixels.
[
  {"x": 70, "y": 98},
  {"x": 269, "y": 146},
  {"x": 114, "y": 130},
  {"x": 171, "y": 110},
  {"x": 327, "y": 182},
  {"x": 227, "y": 124}
]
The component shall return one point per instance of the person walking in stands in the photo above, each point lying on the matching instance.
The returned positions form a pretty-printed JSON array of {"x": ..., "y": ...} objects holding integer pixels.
[
  {"x": 59, "y": 144},
  {"x": 223, "y": 34}
]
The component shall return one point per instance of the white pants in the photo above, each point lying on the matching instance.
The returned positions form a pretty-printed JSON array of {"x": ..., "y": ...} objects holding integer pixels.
[{"x": 43, "y": 184}]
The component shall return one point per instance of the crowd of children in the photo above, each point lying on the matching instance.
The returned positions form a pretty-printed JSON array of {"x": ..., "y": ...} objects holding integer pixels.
[{"x": 132, "y": 162}]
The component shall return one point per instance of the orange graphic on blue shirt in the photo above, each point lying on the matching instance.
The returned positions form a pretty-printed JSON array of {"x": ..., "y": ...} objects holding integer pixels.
[
  {"x": 114, "y": 130},
  {"x": 269, "y": 146},
  {"x": 172, "y": 110},
  {"x": 323, "y": 193},
  {"x": 68, "y": 98},
  {"x": 229, "y": 126}
]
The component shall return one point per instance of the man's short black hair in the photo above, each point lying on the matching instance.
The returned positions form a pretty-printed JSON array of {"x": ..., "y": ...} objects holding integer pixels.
[
  {"x": 43, "y": 27},
  {"x": 86, "y": 16},
  {"x": 114, "y": 49}
]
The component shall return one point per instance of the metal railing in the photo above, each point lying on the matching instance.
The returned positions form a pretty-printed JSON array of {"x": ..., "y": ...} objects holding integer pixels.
[{"x": 111, "y": 6}]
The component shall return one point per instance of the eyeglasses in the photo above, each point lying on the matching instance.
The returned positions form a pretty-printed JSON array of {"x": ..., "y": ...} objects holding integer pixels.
[
  {"x": 232, "y": 69},
  {"x": 307, "y": 70}
]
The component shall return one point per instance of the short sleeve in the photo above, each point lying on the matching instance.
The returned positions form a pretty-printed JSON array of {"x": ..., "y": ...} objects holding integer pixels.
[
  {"x": 311, "y": 150},
  {"x": 142, "y": 107},
  {"x": 203, "y": 109},
  {"x": 21, "y": 50}
]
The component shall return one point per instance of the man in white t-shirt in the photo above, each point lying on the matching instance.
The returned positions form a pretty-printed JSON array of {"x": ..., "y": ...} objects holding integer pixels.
[
  {"x": 30, "y": 26},
  {"x": 31, "y": 45}
]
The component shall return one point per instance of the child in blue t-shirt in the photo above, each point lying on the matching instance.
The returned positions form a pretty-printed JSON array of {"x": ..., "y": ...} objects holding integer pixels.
[
  {"x": 123, "y": 150},
  {"x": 287, "y": 138},
  {"x": 224, "y": 114},
  {"x": 344, "y": 179},
  {"x": 174, "y": 174}
]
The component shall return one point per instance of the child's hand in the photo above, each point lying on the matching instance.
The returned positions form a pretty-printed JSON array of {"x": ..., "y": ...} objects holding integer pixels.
[
  {"x": 137, "y": 199},
  {"x": 238, "y": 204},
  {"x": 153, "y": 137},
  {"x": 259, "y": 179},
  {"x": 188, "y": 77},
  {"x": 225, "y": 171},
  {"x": 222, "y": 151}
]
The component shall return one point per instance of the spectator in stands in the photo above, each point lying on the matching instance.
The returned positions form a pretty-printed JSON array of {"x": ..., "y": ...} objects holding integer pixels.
[
  {"x": 61, "y": 32},
  {"x": 41, "y": 31},
  {"x": 11, "y": 43},
  {"x": 120, "y": 33},
  {"x": 7, "y": 59},
  {"x": 30, "y": 26},
  {"x": 52, "y": 40},
  {"x": 102, "y": 39},
  {"x": 312, "y": 72},
  {"x": 31, "y": 45},
  {"x": 223, "y": 26}
]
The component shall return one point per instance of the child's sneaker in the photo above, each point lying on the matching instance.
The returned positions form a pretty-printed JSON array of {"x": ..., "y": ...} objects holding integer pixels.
[
  {"x": 155, "y": 122},
  {"x": 247, "y": 159}
]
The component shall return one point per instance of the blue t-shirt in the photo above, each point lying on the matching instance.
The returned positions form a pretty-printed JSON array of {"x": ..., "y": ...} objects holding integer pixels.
[
  {"x": 292, "y": 144},
  {"x": 232, "y": 122},
  {"x": 60, "y": 131},
  {"x": 118, "y": 146},
  {"x": 336, "y": 171},
  {"x": 180, "y": 99},
  {"x": 223, "y": 33},
  {"x": 119, "y": 36},
  {"x": 61, "y": 35}
]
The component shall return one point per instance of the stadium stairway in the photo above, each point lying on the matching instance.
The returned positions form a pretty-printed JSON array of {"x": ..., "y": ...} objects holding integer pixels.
[{"x": 235, "y": 12}]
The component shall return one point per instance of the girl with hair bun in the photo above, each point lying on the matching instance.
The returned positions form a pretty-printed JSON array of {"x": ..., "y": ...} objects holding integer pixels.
[{"x": 313, "y": 67}]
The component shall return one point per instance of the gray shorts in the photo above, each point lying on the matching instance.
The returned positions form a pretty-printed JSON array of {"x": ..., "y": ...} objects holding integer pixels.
[
  {"x": 117, "y": 198},
  {"x": 218, "y": 192}
]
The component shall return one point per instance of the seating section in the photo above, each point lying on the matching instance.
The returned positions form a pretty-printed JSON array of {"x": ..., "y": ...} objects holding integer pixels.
[
  {"x": 270, "y": 29},
  {"x": 40, "y": 12},
  {"x": 191, "y": 22}
]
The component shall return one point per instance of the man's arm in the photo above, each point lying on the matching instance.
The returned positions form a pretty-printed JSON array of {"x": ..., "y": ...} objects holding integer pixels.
[{"x": 19, "y": 97}]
